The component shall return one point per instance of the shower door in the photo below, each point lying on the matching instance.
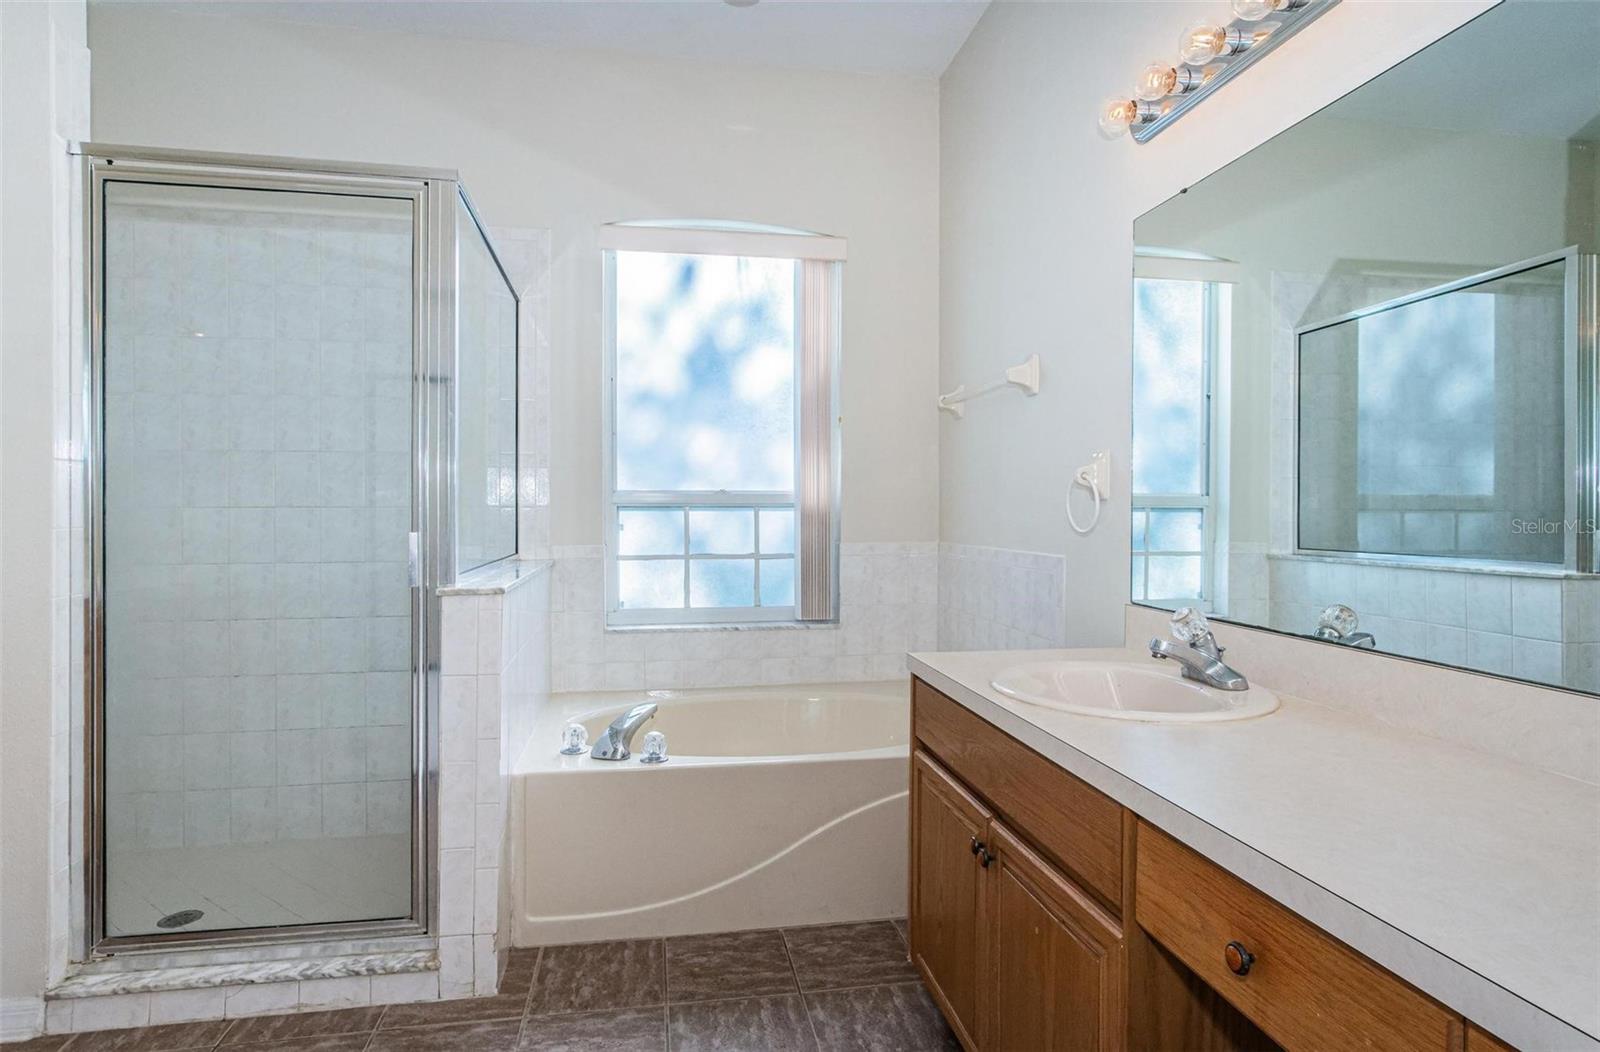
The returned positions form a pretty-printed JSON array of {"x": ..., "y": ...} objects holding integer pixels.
[{"x": 258, "y": 473}]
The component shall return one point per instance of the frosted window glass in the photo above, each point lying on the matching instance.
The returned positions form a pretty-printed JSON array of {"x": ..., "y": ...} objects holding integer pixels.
[
  {"x": 705, "y": 372},
  {"x": 1177, "y": 530},
  {"x": 722, "y": 531},
  {"x": 1169, "y": 426},
  {"x": 777, "y": 530},
  {"x": 777, "y": 582},
  {"x": 652, "y": 584},
  {"x": 650, "y": 531},
  {"x": 1173, "y": 576},
  {"x": 722, "y": 582}
]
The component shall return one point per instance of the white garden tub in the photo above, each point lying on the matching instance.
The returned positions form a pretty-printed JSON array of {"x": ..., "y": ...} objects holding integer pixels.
[{"x": 778, "y": 806}]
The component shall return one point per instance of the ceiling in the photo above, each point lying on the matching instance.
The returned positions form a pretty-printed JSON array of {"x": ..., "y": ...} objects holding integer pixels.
[{"x": 912, "y": 37}]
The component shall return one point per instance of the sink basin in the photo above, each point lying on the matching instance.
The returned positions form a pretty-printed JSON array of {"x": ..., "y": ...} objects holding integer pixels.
[{"x": 1121, "y": 691}]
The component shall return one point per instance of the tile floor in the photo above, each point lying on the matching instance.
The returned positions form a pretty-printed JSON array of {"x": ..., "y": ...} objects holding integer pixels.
[
  {"x": 834, "y": 988},
  {"x": 259, "y": 885}
]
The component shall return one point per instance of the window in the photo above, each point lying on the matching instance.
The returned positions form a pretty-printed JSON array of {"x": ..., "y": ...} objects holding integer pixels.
[
  {"x": 722, "y": 349},
  {"x": 1179, "y": 328}
]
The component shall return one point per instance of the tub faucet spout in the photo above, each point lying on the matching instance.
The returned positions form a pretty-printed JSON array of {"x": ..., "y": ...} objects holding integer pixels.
[{"x": 618, "y": 738}]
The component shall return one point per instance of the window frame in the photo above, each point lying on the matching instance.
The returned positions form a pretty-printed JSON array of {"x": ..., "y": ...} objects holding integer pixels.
[
  {"x": 690, "y": 241},
  {"x": 1207, "y": 501}
]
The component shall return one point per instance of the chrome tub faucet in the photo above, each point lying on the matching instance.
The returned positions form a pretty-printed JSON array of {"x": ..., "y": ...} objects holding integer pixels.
[{"x": 617, "y": 739}]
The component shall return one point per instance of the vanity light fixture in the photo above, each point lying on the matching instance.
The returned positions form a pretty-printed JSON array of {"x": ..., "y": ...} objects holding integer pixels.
[{"x": 1209, "y": 55}]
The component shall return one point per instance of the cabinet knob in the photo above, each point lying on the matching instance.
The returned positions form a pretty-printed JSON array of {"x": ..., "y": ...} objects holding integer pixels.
[
  {"x": 984, "y": 858},
  {"x": 1238, "y": 958},
  {"x": 977, "y": 845}
]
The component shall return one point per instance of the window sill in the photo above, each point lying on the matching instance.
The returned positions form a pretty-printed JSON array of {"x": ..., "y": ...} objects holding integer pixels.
[{"x": 726, "y": 626}]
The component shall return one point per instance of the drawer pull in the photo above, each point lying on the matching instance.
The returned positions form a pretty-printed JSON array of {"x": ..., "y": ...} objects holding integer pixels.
[{"x": 1238, "y": 958}]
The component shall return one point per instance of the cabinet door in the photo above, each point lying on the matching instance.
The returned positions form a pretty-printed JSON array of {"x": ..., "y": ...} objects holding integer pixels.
[
  {"x": 947, "y": 830},
  {"x": 1055, "y": 959}
]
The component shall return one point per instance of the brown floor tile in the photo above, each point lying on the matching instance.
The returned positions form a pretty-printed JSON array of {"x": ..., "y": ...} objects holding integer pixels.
[
  {"x": 755, "y": 1024},
  {"x": 264, "y": 1028},
  {"x": 518, "y": 977},
  {"x": 598, "y": 976},
  {"x": 46, "y": 1043},
  {"x": 151, "y": 1038},
  {"x": 455, "y": 1010},
  {"x": 626, "y": 1030},
  {"x": 322, "y": 1043},
  {"x": 840, "y": 955},
  {"x": 466, "y": 1037},
  {"x": 731, "y": 964},
  {"x": 900, "y": 1018}
]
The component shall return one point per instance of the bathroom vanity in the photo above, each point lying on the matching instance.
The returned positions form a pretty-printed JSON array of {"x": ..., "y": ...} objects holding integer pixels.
[{"x": 1049, "y": 912}]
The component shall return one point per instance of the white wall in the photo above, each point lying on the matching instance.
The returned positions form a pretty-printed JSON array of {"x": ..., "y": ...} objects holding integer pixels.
[
  {"x": 1036, "y": 243},
  {"x": 567, "y": 141},
  {"x": 43, "y": 103}
]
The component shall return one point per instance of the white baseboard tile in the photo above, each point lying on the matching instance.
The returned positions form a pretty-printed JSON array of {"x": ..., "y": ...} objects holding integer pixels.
[{"x": 21, "y": 1018}]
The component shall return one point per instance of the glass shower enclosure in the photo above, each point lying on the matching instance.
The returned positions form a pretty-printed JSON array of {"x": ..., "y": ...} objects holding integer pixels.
[{"x": 286, "y": 363}]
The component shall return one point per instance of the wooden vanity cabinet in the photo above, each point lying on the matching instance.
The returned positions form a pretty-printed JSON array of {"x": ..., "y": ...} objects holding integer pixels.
[
  {"x": 1053, "y": 958},
  {"x": 948, "y": 828},
  {"x": 1044, "y": 916},
  {"x": 1017, "y": 951}
]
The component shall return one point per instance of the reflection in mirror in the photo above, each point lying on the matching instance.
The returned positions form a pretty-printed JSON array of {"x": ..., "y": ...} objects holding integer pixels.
[{"x": 1364, "y": 401}]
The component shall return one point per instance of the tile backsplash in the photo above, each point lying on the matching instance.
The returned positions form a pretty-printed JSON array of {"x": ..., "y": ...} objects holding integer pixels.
[
  {"x": 888, "y": 606},
  {"x": 998, "y": 598}
]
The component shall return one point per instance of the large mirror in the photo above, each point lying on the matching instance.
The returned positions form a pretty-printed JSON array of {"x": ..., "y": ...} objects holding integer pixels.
[{"x": 1364, "y": 401}]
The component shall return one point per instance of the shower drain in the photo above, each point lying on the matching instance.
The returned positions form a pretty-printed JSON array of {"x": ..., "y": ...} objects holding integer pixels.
[{"x": 179, "y": 919}]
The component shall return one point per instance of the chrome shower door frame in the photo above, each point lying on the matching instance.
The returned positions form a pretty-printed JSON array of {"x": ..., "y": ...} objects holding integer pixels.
[{"x": 432, "y": 194}]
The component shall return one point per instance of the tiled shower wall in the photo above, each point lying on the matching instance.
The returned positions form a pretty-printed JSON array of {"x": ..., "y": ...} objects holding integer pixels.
[
  {"x": 258, "y": 426},
  {"x": 888, "y": 597},
  {"x": 494, "y": 674},
  {"x": 997, "y": 598}
]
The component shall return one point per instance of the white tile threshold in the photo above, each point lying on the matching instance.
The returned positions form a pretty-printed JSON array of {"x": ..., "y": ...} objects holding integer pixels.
[{"x": 194, "y": 977}]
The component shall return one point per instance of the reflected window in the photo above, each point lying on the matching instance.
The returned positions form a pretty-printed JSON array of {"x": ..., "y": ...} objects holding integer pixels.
[
  {"x": 1178, "y": 333},
  {"x": 706, "y": 437}
]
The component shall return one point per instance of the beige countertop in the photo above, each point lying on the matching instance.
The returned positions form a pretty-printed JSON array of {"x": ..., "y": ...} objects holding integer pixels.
[{"x": 1474, "y": 878}]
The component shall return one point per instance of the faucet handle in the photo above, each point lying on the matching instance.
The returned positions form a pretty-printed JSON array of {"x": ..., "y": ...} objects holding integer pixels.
[
  {"x": 1189, "y": 625},
  {"x": 1340, "y": 618}
]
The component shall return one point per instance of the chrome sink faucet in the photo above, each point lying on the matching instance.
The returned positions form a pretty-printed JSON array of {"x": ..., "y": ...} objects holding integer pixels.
[
  {"x": 617, "y": 739},
  {"x": 1199, "y": 653}
]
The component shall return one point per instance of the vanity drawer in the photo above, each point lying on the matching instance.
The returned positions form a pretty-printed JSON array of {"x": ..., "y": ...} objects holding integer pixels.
[
  {"x": 1303, "y": 987},
  {"x": 1077, "y": 827}
]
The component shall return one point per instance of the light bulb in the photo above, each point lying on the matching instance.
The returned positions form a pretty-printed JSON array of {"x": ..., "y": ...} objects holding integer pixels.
[
  {"x": 1202, "y": 42},
  {"x": 1254, "y": 10},
  {"x": 1116, "y": 115},
  {"x": 1158, "y": 80}
]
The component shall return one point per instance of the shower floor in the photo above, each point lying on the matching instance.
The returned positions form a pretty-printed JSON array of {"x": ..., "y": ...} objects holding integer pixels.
[{"x": 261, "y": 885}]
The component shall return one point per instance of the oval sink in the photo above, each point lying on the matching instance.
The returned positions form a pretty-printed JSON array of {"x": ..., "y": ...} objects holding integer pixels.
[{"x": 1128, "y": 692}]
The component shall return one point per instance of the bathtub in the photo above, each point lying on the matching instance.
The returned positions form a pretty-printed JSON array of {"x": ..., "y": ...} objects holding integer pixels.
[{"x": 778, "y": 806}]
